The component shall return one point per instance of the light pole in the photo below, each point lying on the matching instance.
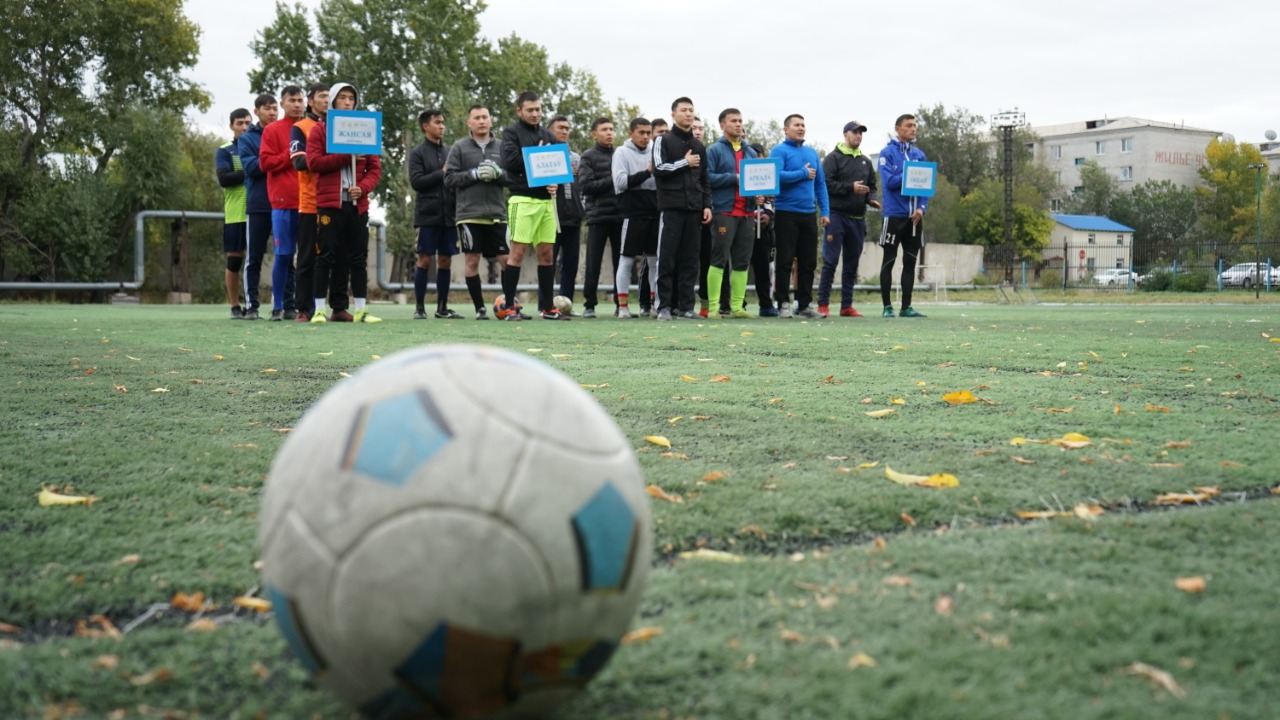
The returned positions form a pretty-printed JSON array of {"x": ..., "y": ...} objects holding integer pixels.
[
  {"x": 1259, "y": 168},
  {"x": 1007, "y": 121}
]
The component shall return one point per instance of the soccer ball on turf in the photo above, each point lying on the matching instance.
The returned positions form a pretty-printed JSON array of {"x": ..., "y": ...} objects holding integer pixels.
[
  {"x": 563, "y": 305},
  {"x": 501, "y": 309},
  {"x": 455, "y": 531}
]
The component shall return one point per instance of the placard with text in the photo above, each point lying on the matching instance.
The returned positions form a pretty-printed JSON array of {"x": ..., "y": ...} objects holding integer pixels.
[
  {"x": 357, "y": 132},
  {"x": 919, "y": 179},
  {"x": 759, "y": 176},
  {"x": 547, "y": 165}
]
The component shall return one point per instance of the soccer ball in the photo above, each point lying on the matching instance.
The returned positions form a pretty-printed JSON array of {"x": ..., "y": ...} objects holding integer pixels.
[
  {"x": 501, "y": 309},
  {"x": 563, "y": 305},
  {"x": 455, "y": 531}
]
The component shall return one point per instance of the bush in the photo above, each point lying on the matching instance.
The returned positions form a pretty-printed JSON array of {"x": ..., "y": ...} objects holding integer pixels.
[
  {"x": 1050, "y": 279},
  {"x": 1193, "y": 281},
  {"x": 1158, "y": 281},
  {"x": 981, "y": 280}
]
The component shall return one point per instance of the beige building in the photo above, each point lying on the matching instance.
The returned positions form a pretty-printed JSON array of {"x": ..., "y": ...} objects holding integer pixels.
[
  {"x": 1133, "y": 150},
  {"x": 1082, "y": 245}
]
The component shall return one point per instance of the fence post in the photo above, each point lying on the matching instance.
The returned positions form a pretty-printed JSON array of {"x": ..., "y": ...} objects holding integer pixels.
[{"x": 1066, "y": 264}]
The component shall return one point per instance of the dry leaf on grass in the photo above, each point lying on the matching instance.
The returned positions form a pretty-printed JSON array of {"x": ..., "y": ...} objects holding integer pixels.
[
  {"x": 861, "y": 660},
  {"x": 711, "y": 555},
  {"x": 105, "y": 628},
  {"x": 1022, "y": 460},
  {"x": 152, "y": 677},
  {"x": 252, "y": 603},
  {"x": 133, "y": 559},
  {"x": 960, "y": 397},
  {"x": 1190, "y": 584},
  {"x": 659, "y": 493},
  {"x": 1200, "y": 495},
  {"x": 105, "y": 662},
  {"x": 658, "y": 440},
  {"x": 1082, "y": 511},
  {"x": 675, "y": 455},
  {"x": 721, "y": 378},
  {"x": 714, "y": 476},
  {"x": 192, "y": 602},
  {"x": 1157, "y": 408},
  {"x": 688, "y": 378},
  {"x": 908, "y": 520},
  {"x": 1157, "y": 676},
  {"x": 643, "y": 634},
  {"x": 880, "y": 413},
  {"x": 202, "y": 625},
  {"x": 937, "y": 480},
  {"x": 9, "y": 629},
  {"x": 898, "y": 581},
  {"x": 49, "y": 498},
  {"x": 1178, "y": 445},
  {"x": 880, "y": 543},
  {"x": 944, "y": 605}
]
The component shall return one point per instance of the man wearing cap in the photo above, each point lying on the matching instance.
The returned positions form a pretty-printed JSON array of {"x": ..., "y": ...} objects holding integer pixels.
[
  {"x": 851, "y": 186},
  {"x": 903, "y": 216}
]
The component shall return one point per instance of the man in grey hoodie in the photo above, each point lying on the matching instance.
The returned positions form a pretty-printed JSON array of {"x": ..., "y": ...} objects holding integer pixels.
[
  {"x": 474, "y": 171},
  {"x": 638, "y": 204}
]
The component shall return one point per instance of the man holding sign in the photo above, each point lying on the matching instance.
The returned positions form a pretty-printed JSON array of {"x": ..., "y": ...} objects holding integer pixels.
[
  {"x": 903, "y": 215},
  {"x": 342, "y": 204},
  {"x": 531, "y": 211}
]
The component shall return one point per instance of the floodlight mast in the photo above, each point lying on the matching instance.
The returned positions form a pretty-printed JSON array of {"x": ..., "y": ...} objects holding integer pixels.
[
  {"x": 1259, "y": 169},
  {"x": 1007, "y": 121}
]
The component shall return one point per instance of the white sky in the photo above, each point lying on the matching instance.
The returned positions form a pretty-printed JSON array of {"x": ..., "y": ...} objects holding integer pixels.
[{"x": 1208, "y": 65}]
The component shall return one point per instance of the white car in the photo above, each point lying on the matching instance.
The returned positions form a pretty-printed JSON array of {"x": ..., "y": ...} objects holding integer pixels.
[
  {"x": 1114, "y": 276},
  {"x": 1246, "y": 274}
]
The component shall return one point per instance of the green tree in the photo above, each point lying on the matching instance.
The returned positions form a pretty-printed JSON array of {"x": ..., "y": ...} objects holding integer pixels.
[
  {"x": 1098, "y": 189},
  {"x": 1228, "y": 199},
  {"x": 944, "y": 225},
  {"x": 1163, "y": 218},
  {"x": 981, "y": 220},
  {"x": 955, "y": 141}
]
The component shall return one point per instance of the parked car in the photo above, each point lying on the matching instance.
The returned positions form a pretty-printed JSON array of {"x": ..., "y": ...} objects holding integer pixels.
[
  {"x": 1246, "y": 274},
  {"x": 1114, "y": 276}
]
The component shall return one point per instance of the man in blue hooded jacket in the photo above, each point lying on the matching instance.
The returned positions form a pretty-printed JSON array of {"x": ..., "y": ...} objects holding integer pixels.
[
  {"x": 258, "y": 205},
  {"x": 804, "y": 185},
  {"x": 903, "y": 216}
]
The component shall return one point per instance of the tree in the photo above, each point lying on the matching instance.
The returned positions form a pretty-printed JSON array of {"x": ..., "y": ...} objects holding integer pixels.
[
  {"x": 1163, "y": 218},
  {"x": 1228, "y": 199},
  {"x": 943, "y": 225},
  {"x": 1098, "y": 189},
  {"x": 981, "y": 220},
  {"x": 954, "y": 141}
]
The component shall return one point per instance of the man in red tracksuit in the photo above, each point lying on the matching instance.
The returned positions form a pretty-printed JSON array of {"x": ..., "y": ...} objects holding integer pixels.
[
  {"x": 342, "y": 206},
  {"x": 275, "y": 159}
]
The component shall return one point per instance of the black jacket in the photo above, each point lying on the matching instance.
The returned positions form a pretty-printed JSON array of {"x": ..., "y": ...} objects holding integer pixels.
[
  {"x": 436, "y": 203},
  {"x": 842, "y": 170},
  {"x": 569, "y": 196},
  {"x": 515, "y": 137},
  {"x": 596, "y": 182},
  {"x": 680, "y": 187}
]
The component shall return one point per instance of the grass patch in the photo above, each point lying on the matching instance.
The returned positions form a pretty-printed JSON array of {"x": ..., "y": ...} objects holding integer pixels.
[{"x": 1045, "y": 614}]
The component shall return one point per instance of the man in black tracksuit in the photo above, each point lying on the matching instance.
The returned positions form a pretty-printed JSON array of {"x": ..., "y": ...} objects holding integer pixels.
[
  {"x": 604, "y": 223},
  {"x": 851, "y": 185},
  {"x": 433, "y": 216},
  {"x": 684, "y": 201}
]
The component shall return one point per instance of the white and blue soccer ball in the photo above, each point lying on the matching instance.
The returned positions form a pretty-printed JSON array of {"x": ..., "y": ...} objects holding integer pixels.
[{"x": 455, "y": 531}]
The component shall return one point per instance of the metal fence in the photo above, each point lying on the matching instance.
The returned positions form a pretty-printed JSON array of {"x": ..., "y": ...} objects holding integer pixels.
[{"x": 1191, "y": 267}]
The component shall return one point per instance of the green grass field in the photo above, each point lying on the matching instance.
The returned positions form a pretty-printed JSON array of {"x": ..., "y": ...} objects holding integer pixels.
[{"x": 852, "y": 596}]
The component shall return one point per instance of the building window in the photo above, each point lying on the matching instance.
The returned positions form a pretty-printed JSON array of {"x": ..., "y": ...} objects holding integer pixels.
[
  {"x": 1100, "y": 147},
  {"x": 1055, "y": 152},
  {"x": 1120, "y": 263},
  {"x": 1079, "y": 162},
  {"x": 1126, "y": 145},
  {"x": 1091, "y": 264},
  {"x": 1077, "y": 190},
  {"x": 1120, "y": 239},
  {"x": 1055, "y": 205},
  {"x": 1126, "y": 173},
  {"x": 1092, "y": 239},
  {"x": 1057, "y": 177}
]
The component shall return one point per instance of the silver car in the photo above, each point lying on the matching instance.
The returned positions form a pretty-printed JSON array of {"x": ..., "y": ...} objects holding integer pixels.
[
  {"x": 1246, "y": 274},
  {"x": 1114, "y": 276}
]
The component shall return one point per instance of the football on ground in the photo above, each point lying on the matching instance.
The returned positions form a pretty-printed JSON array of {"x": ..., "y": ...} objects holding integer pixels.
[
  {"x": 562, "y": 304},
  {"x": 455, "y": 531}
]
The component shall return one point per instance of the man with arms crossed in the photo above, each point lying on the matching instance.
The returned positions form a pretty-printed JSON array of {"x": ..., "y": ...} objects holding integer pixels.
[
  {"x": 803, "y": 186},
  {"x": 473, "y": 171},
  {"x": 903, "y": 216}
]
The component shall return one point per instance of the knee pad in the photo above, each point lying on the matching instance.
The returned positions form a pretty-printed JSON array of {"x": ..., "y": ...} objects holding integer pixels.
[{"x": 235, "y": 262}]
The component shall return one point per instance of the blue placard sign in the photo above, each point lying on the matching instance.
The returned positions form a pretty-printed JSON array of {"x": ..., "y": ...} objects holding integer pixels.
[
  {"x": 547, "y": 165},
  {"x": 759, "y": 176},
  {"x": 356, "y": 132},
  {"x": 919, "y": 179}
]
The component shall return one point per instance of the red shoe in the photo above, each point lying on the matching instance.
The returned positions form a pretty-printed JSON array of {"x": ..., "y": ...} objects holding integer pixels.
[
  {"x": 303, "y": 316},
  {"x": 824, "y": 310},
  {"x": 341, "y": 316},
  {"x": 703, "y": 312},
  {"x": 849, "y": 312}
]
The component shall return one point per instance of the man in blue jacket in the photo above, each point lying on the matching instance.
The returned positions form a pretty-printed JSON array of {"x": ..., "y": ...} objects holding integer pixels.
[
  {"x": 903, "y": 216},
  {"x": 803, "y": 186},
  {"x": 733, "y": 221},
  {"x": 258, "y": 204}
]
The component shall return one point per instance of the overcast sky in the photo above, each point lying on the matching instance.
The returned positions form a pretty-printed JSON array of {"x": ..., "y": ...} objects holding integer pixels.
[{"x": 1207, "y": 65}]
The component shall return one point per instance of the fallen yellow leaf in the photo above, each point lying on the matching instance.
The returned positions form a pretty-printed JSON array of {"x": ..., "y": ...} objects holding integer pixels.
[
  {"x": 880, "y": 413},
  {"x": 937, "y": 480},
  {"x": 1190, "y": 584},
  {"x": 861, "y": 660},
  {"x": 897, "y": 401},
  {"x": 160, "y": 390},
  {"x": 1158, "y": 408},
  {"x": 48, "y": 498},
  {"x": 714, "y": 476},
  {"x": 688, "y": 378},
  {"x": 1178, "y": 445},
  {"x": 944, "y": 605},
  {"x": 1182, "y": 498},
  {"x": 898, "y": 581},
  {"x": 960, "y": 397},
  {"x": 133, "y": 559},
  {"x": 721, "y": 378},
  {"x": 202, "y": 625},
  {"x": 106, "y": 662},
  {"x": 9, "y": 629},
  {"x": 712, "y": 555},
  {"x": 643, "y": 634},
  {"x": 1157, "y": 676},
  {"x": 659, "y": 493},
  {"x": 253, "y": 603},
  {"x": 868, "y": 465},
  {"x": 1022, "y": 460},
  {"x": 658, "y": 440},
  {"x": 269, "y": 371},
  {"x": 189, "y": 602},
  {"x": 908, "y": 520},
  {"x": 154, "y": 676},
  {"x": 675, "y": 419},
  {"x": 675, "y": 455},
  {"x": 1075, "y": 437}
]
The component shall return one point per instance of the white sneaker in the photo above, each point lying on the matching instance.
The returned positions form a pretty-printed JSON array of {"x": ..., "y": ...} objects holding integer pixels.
[
  {"x": 785, "y": 311},
  {"x": 624, "y": 312}
]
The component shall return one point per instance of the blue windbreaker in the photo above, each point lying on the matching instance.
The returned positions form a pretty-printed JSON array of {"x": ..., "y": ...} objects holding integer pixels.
[
  {"x": 798, "y": 191},
  {"x": 891, "y": 161}
]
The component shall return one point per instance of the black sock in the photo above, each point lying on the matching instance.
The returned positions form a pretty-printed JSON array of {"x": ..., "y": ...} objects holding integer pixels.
[
  {"x": 473, "y": 288},
  {"x": 442, "y": 288},
  {"x": 510, "y": 279},
  {"x": 546, "y": 287},
  {"x": 419, "y": 285}
]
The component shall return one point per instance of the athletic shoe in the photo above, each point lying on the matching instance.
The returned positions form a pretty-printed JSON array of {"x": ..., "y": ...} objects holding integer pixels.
[
  {"x": 739, "y": 314},
  {"x": 553, "y": 315},
  {"x": 646, "y": 312},
  {"x": 702, "y": 312},
  {"x": 447, "y": 314},
  {"x": 589, "y": 312},
  {"x": 520, "y": 315},
  {"x": 364, "y": 317},
  {"x": 824, "y": 310},
  {"x": 482, "y": 314},
  {"x": 691, "y": 315},
  {"x": 911, "y": 312},
  {"x": 888, "y": 311},
  {"x": 785, "y": 311},
  {"x": 302, "y": 316},
  {"x": 277, "y": 315},
  {"x": 251, "y": 315},
  {"x": 769, "y": 311},
  {"x": 849, "y": 312},
  {"x": 290, "y": 314},
  {"x": 420, "y": 314},
  {"x": 664, "y": 315},
  {"x": 515, "y": 317},
  {"x": 809, "y": 312},
  {"x": 237, "y": 313},
  {"x": 342, "y": 316},
  {"x": 319, "y": 317},
  {"x": 624, "y": 312}
]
